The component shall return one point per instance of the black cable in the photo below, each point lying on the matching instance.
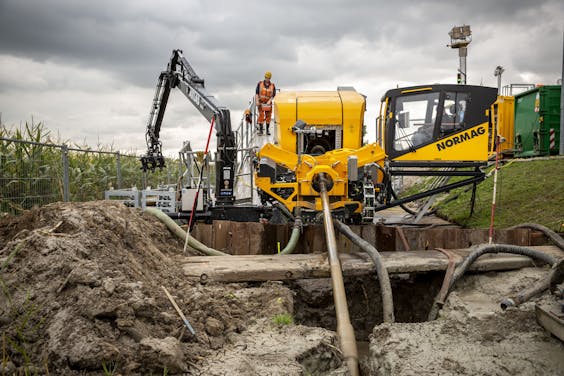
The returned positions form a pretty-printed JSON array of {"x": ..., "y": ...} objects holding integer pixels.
[{"x": 395, "y": 196}]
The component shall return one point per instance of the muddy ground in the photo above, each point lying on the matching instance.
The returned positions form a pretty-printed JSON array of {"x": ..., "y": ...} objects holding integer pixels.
[
  {"x": 473, "y": 335},
  {"x": 81, "y": 294}
]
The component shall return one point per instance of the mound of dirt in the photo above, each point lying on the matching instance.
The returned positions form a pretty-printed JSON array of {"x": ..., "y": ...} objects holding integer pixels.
[
  {"x": 81, "y": 294},
  {"x": 472, "y": 336}
]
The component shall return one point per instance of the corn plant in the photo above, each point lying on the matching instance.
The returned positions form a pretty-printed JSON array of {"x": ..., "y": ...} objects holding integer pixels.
[
  {"x": 31, "y": 169},
  {"x": 27, "y": 175}
]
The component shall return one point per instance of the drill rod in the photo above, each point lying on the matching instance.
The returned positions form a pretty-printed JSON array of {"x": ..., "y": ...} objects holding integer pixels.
[{"x": 345, "y": 330}]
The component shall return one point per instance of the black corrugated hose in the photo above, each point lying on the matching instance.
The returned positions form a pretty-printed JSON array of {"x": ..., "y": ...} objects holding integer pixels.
[
  {"x": 498, "y": 248},
  {"x": 494, "y": 248},
  {"x": 505, "y": 248},
  {"x": 548, "y": 232},
  {"x": 381, "y": 271}
]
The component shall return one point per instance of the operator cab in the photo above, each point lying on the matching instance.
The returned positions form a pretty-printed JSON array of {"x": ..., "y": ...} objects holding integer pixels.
[{"x": 436, "y": 122}]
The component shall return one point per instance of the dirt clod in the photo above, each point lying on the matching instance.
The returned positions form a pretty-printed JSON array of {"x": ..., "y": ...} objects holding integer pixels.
[
  {"x": 167, "y": 352},
  {"x": 214, "y": 327}
]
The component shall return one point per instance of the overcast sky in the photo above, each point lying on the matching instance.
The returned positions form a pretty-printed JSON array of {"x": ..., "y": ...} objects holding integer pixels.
[{"x": 88, "y": 69}]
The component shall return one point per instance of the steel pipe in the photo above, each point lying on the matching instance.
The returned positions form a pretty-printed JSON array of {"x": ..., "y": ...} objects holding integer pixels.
[{"x": 345, "y": 330}]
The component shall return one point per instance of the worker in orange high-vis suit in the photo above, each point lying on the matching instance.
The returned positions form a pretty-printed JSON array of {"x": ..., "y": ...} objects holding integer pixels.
[{"x": 264, "y": 95}]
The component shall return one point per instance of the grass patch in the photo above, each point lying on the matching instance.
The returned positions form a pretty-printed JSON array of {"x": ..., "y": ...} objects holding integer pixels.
[
  {"x": 283, "y": 319},
  {"x": 109, "y": 369},
  {"x": 527, "y": 191}
]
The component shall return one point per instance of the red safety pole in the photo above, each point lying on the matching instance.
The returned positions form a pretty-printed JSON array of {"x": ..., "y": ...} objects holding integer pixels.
[
  {"x": 199, "y": 186},
  {"x": 490, "y": 240}
]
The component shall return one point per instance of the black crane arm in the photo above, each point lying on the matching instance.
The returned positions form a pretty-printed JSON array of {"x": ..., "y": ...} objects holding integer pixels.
[{"x": 180, "y": 74}]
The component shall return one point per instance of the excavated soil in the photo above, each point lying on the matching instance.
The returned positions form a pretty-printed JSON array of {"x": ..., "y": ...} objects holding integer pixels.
[{"x": 81, "y": 295}]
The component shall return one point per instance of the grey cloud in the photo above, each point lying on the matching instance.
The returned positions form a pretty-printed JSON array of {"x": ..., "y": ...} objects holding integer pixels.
[{"x": 305, "y": 44}]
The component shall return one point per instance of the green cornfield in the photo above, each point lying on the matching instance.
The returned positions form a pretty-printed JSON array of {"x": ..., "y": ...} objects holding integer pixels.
[{"x": 32, "y": 173}]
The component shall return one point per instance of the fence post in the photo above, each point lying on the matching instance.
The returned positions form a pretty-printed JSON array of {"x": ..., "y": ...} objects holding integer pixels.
[
  {"x": 180, "y": 168},
  {"x": 65, "y": 157},
  {"x": 118, "y": 168}
]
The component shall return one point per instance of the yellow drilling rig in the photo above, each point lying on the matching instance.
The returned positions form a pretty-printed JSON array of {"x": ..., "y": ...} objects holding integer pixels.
[{"x": 434, "y": 130}]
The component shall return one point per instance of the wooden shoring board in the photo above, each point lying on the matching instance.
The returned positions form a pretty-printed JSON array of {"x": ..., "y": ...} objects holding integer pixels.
[{"x": 245, "y": 268}]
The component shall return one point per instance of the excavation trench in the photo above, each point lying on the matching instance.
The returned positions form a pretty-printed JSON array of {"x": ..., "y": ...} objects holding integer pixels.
[{"x": 413, "y": 298}]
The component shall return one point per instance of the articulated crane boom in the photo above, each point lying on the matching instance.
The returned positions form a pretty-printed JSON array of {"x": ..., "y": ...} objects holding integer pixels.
[{"x": 180, "y": 74}]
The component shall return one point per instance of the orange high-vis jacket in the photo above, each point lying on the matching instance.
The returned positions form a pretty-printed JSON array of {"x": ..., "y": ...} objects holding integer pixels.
[{"x": 265, "y": 93}]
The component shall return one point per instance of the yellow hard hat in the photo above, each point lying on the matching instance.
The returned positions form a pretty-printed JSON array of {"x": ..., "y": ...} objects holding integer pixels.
[{"x": 268, "y": 74}]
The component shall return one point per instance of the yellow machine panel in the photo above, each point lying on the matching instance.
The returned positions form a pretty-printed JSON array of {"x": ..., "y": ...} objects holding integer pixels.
[
  {"x": 340, "y": 111},
  {"x": 469, "y": 145},
  {"x": 502, "y": 115}
]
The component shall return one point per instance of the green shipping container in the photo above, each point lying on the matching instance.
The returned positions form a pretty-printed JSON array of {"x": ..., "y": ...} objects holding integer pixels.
[{"x": 537, "y": 121}]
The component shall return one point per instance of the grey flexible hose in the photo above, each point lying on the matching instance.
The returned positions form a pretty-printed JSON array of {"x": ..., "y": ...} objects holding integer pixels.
[
  {"x": 492, "y": 248},
  {"x": 180, "y": 233},
  {"x": 557, "y": 239},
  {"x": 498, "y": 248},
  {"x": 555, "y": 275},
  {"x": 382, "y": 272}
]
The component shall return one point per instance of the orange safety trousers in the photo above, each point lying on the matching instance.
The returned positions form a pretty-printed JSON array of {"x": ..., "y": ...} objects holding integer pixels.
[{"x": 265, "y": 113}]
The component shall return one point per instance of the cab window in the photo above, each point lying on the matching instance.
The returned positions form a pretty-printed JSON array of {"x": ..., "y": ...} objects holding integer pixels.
[
  {"x": 414, "y": 120},
  {"x": 454, "y": 110}
]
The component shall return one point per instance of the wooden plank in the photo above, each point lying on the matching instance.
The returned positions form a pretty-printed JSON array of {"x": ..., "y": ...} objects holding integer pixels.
[
  {"x": 239, "y": 243},
  {"x": 256, "y": 237},
  {"x": 314, "y": 239},
  {"x": 298, "y": 266},
  {"x": 550, "y": 317},
  {"x": 276, "y": 233}
]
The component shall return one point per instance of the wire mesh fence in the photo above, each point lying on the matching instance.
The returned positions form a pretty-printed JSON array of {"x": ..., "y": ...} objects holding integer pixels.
[{"x": 35, "y": 173}]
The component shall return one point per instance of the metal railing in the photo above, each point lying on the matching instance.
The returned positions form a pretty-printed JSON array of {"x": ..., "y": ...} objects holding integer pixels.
[
  {"x": 246, "y": 133},
  {"x": 37, "y": 173}
]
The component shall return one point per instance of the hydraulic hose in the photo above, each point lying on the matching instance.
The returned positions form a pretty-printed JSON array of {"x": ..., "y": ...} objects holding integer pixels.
[
  {"x": 284, "y": 210},
  {"x": 499, "y": 248},
  {"x": 556, "y": 275},
  {"x": 296, "y": 231},
  {"x": 548, "y": 232},
  {"x": 492, "y": 248},
  {"x": 345, "y": 330},
  {"x": 180, "y": 233},
  {"x": 381, "y": 271},
  {"x": 405, "y": 208}
]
